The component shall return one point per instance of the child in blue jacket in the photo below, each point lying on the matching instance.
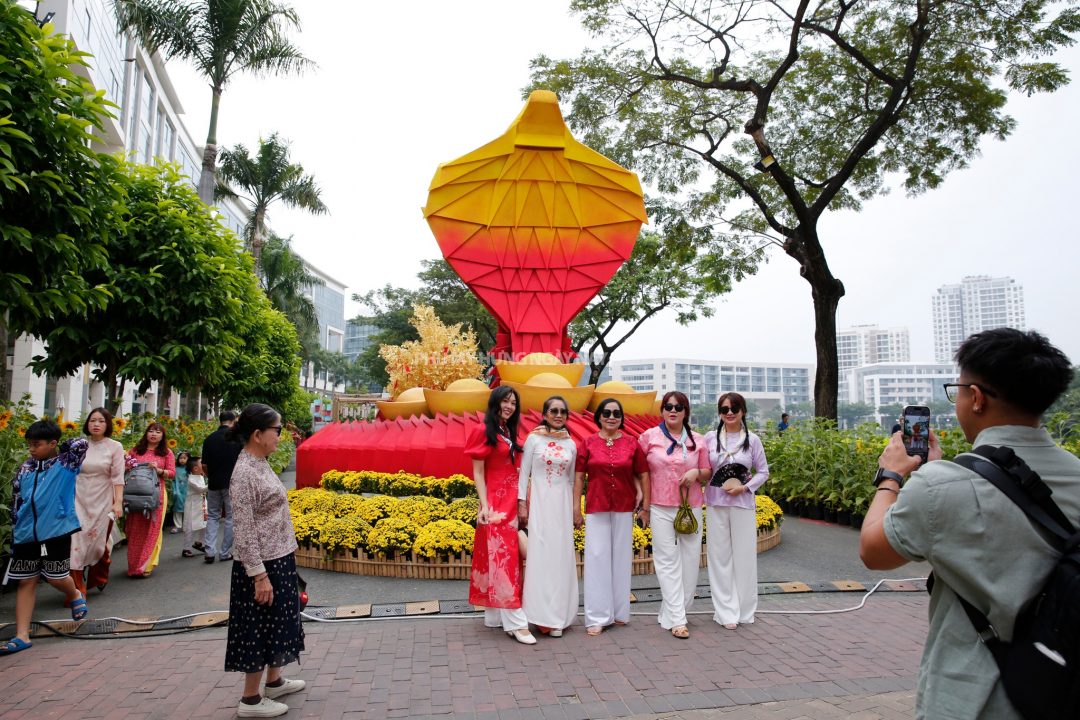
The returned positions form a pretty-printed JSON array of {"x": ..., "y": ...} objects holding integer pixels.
[{"x": 43, "y": 520}]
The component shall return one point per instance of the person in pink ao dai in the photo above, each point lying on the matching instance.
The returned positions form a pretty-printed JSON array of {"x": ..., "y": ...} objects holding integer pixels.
[
  {"x": 731, "y": 515},
  {"x": 677, "y": 459},
  {"x": 545, "y": 503}
]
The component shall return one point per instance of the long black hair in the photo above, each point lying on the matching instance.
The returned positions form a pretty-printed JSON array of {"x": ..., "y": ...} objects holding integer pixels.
[
  {"x": 547, "y": 406},
  {"x": 737, "y": 402},
  {"x": 255, "y": 416},
  {"x": 492, "y": 424},
  {"x": 681, "y": 399},
  {"x": 143, "y": 445}
]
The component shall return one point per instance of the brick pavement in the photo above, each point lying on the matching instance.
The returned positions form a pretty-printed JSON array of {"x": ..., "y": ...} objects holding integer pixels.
[{"x": 859, "y": 664}]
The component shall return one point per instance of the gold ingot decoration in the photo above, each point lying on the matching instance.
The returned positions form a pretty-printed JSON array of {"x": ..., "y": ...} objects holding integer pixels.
[
  {"x": 408, "y": 403},
  {"x": 459, "y": 397},
  {"x": 541, "y": 386},
  {"x": 632, "y": 401}
]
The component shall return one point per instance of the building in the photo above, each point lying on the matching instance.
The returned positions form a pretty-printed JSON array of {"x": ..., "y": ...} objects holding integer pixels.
[
  {"x": 148, "y": 129},
  {"x": 868, "y": 344},
  {"x": 328, "y": 297},
  {"x": 905, "y": 383},
  {"x": 977, "y": 303},
  {"x": 358, "y": 334},
  {"x": 703, "y": 381}
]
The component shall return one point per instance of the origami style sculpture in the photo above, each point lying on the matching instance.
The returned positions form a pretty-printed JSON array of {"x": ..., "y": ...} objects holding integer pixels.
[{"x": 536, "y": 224}]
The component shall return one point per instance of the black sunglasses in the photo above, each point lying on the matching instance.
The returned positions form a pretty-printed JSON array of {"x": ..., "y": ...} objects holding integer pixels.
[
  {"x": 726, "y": 410},
  {"x": 558, "y": 411},
  {"x": 611, "y": 414},
  {"x": 275, "y": 428},
  {"x": 669, "y": 407}
]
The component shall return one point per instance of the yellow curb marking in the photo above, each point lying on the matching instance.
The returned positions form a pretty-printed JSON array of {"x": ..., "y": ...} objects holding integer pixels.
[
  {"x": 363, "y": 610},
  {"x": 633, "y": 597},
  {"x": 204, "y": 620},
  {"x": 848, "y": 585},
  {"x": 794, "y": 587},
  {"x": 424, "y": 607}
]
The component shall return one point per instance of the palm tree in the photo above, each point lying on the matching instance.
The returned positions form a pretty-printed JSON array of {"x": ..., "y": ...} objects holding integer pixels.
[
  {"x": 262, "y": 180},
  {"x": 221, "y": 38},
  {"x": 286, "y": 280}
]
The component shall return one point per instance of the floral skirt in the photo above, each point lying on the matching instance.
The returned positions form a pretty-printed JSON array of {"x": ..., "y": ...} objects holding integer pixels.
[{"x": 264, "y": 635}]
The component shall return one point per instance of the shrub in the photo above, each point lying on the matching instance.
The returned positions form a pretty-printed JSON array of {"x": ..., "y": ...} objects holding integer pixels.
[
  {"x": 312, "y": 500},
  {"x": 391, "y": 535},
  {"x": 444, "y": 537},
  {"x": 348, "y": 505},
  {"x": 343, "y": 533},
  {"x": 464, "y": 509},
  {"x": 308, "y": 526},
  {"x": 421, "y": 510},
  {"x": 378, "y": 507}
]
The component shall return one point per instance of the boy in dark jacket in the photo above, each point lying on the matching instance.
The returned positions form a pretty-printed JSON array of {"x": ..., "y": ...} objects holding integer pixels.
[{"x": 43, "y": 520}]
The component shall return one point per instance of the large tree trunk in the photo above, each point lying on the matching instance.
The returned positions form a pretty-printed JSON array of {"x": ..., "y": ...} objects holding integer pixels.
[
  {"x": 208, "y": 179},
  {"x": 5, "y": 389},
  {"x": 827, "y": 292}
]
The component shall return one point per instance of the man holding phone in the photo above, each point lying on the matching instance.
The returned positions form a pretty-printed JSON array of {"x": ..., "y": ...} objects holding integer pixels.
[{"x": 980, "y": 544}]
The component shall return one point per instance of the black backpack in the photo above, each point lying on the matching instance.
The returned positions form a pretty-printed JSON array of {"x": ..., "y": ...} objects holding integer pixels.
[
  {"x": 1040, "y": 667},
  {"x": 142, "y": 492}
]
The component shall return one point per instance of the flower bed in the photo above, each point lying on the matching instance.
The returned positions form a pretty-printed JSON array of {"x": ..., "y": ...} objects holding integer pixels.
[{"x": 424, "y": 537}]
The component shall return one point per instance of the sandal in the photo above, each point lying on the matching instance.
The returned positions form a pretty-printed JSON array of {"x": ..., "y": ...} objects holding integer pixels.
[
  {"x": 681, "y": 632},
  {"x": 78, "y": 608},
  {"x": 15, "y": 645},
  {"x": 622, "y": 622},
  {"x": 594, "y": 630},
  {"x": 187, "y": 553}
]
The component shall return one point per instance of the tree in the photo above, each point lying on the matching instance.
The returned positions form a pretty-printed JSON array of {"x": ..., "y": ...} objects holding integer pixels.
[
  {"x": 854, "y": 413},
  {"x": 57, "y": 194},
  {"x": 796, "y": 108},
  {"x": 286, "y": 280},
  {"x": 264, "y": 179},
  {"x": 179, "y": 288},
  {"x": 664, "y": 272},
  {"x": 222, "y": 38}
]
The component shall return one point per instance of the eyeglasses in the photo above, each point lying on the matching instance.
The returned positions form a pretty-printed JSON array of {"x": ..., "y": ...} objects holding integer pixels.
[
  {"x": 669, "y": 407},
  {"x": 275, "y": 428},
  {"x": 725, "y": 410},
  {"x": 950, "y": 390},
  {"x": 611, "y": 414},
  {"x": 557, "y": 411}
]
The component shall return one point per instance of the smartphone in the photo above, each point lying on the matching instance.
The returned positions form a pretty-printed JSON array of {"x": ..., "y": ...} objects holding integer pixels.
[{"x": 917, "y": 430}]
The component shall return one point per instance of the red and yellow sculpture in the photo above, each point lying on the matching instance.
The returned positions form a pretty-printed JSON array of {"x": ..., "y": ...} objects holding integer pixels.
[{"x": 536, "y": 224}]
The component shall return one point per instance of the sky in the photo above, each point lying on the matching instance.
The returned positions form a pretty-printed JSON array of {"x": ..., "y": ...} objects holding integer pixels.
[{"x": 394, "y": 95}]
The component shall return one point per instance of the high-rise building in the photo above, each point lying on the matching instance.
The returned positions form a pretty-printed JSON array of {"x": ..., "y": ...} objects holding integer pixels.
[
  {"x": 899, "y": 383},
  {"x": 868, "y": 344},
  {"x": 977, "y": 303}
]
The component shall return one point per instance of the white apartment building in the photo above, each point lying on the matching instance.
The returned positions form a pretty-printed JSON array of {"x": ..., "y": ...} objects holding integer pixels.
[
  {"x": 977, "y": 303},
  {"x": 868, "y": 344},
  {"x": 149, "y": 129},
  {"x": 906, "y": 383},
  {"x": 767, "y": 384}
]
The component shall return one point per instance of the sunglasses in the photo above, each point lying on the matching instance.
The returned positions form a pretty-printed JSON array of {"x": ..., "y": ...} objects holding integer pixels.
[
  {"x": 275, "y": 428},
  {"x": 669, "y": 407},
  {"x": 725, "y": 410},
  {"x": 557, "y": 411},
  {"x": 611, "y": 414}
]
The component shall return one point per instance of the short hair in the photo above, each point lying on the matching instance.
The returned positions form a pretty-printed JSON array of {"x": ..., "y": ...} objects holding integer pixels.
[
  {"x": 784, "y": 415},
  {"x": 103, "y": 413},
  {"x": 600, "y": 407},
  {"x": 1021, "y": 366},
  {"x": 43, "y": 430},
  {"x": 226, "y": 416}
]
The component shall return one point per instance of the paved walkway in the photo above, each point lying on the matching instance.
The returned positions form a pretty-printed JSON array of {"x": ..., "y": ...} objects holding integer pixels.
[{"x": 857, "y": 664}]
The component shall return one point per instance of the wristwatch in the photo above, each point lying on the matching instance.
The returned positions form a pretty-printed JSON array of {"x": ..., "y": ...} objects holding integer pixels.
[{"x": 883, "y": 474}]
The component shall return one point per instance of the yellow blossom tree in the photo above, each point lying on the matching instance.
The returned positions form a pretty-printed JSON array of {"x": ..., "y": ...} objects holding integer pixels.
[{"x": 442, "y": 355}]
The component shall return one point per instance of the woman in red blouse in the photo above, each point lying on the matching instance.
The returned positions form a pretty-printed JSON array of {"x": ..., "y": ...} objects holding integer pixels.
[
  {"x": 495, "y": 582},
  {"x": 143, "y": 529},
  {"x": 616, "y": 469}
]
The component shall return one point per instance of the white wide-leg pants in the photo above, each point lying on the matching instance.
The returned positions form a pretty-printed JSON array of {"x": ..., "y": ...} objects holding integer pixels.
[
  {"x": 732, "y": 553},
  {"x": 609, "y": 553},
  {"x": 676, "y": 559},
  {"x": 509, "y": 619}
]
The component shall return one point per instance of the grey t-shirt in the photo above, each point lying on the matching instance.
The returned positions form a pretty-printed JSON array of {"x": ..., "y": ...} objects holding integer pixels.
[{"x": 982, "y": 546}]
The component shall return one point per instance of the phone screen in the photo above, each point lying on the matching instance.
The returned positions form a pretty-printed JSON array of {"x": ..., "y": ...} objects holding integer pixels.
[{"x": 917, "y": 430}]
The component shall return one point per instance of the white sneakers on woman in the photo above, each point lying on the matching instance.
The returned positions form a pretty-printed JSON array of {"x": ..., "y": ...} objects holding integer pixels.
[
  {"x": 523, "y": 636},
  {"x": 286, "y": 688},
  {"x": 267, "y": 705}
]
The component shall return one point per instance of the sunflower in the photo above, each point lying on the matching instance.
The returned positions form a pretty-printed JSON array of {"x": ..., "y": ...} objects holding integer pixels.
[
  {"x": 119, "y": 424},
  {"x": 172, "y": 443},
  {"x": 22, "y": 432},
  {"x": 69, "y": 426}
]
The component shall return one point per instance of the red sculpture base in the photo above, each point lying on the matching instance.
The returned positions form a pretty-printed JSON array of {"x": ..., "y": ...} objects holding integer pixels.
[{"x": 419, "y": 445}]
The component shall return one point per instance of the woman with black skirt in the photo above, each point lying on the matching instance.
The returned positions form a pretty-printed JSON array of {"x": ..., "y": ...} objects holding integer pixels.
[{"x": 264, "y": 604}]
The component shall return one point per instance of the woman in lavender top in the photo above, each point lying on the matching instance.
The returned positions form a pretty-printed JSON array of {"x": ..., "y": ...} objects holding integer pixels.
[{"x": 730, "y": 513}]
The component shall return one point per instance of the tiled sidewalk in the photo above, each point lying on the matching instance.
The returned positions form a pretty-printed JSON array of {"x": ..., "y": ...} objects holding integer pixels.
[{"x": 860, "y": 664}]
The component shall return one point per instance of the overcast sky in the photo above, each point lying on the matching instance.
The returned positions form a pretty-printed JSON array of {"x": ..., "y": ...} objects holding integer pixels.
[{"x": 395, "y": 94}]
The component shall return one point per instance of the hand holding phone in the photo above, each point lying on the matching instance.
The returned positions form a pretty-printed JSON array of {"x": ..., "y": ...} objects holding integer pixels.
[{"x": 916, "y": 428}]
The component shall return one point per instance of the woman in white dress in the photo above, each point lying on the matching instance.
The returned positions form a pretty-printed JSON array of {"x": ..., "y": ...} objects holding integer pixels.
[
  {"x": 99, "y": 495},
  {"x": 545, "y": 502}
]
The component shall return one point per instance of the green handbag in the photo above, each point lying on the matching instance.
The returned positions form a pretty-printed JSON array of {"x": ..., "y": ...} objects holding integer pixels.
[{"x": 685, "y": 522}]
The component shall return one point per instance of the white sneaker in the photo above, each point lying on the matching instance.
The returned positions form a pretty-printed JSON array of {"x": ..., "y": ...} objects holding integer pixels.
[
  {"x": 555, "y": 633},
  {"x": 523, "y": 636},
  {"x": 286, "y": 688},
  {"x": 265, "y": 708}
]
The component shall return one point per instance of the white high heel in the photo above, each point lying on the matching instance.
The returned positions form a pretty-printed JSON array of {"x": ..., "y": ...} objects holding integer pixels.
[{"x": 522, "y": 635}]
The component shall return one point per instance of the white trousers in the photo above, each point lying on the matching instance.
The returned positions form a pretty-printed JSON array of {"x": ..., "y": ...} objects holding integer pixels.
[
  {"x": 676, "y": 559},
  {"x": 732, "y": 552},
  {"x": 506, "y": 618},
  {"x": 609, "y": 553}
]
